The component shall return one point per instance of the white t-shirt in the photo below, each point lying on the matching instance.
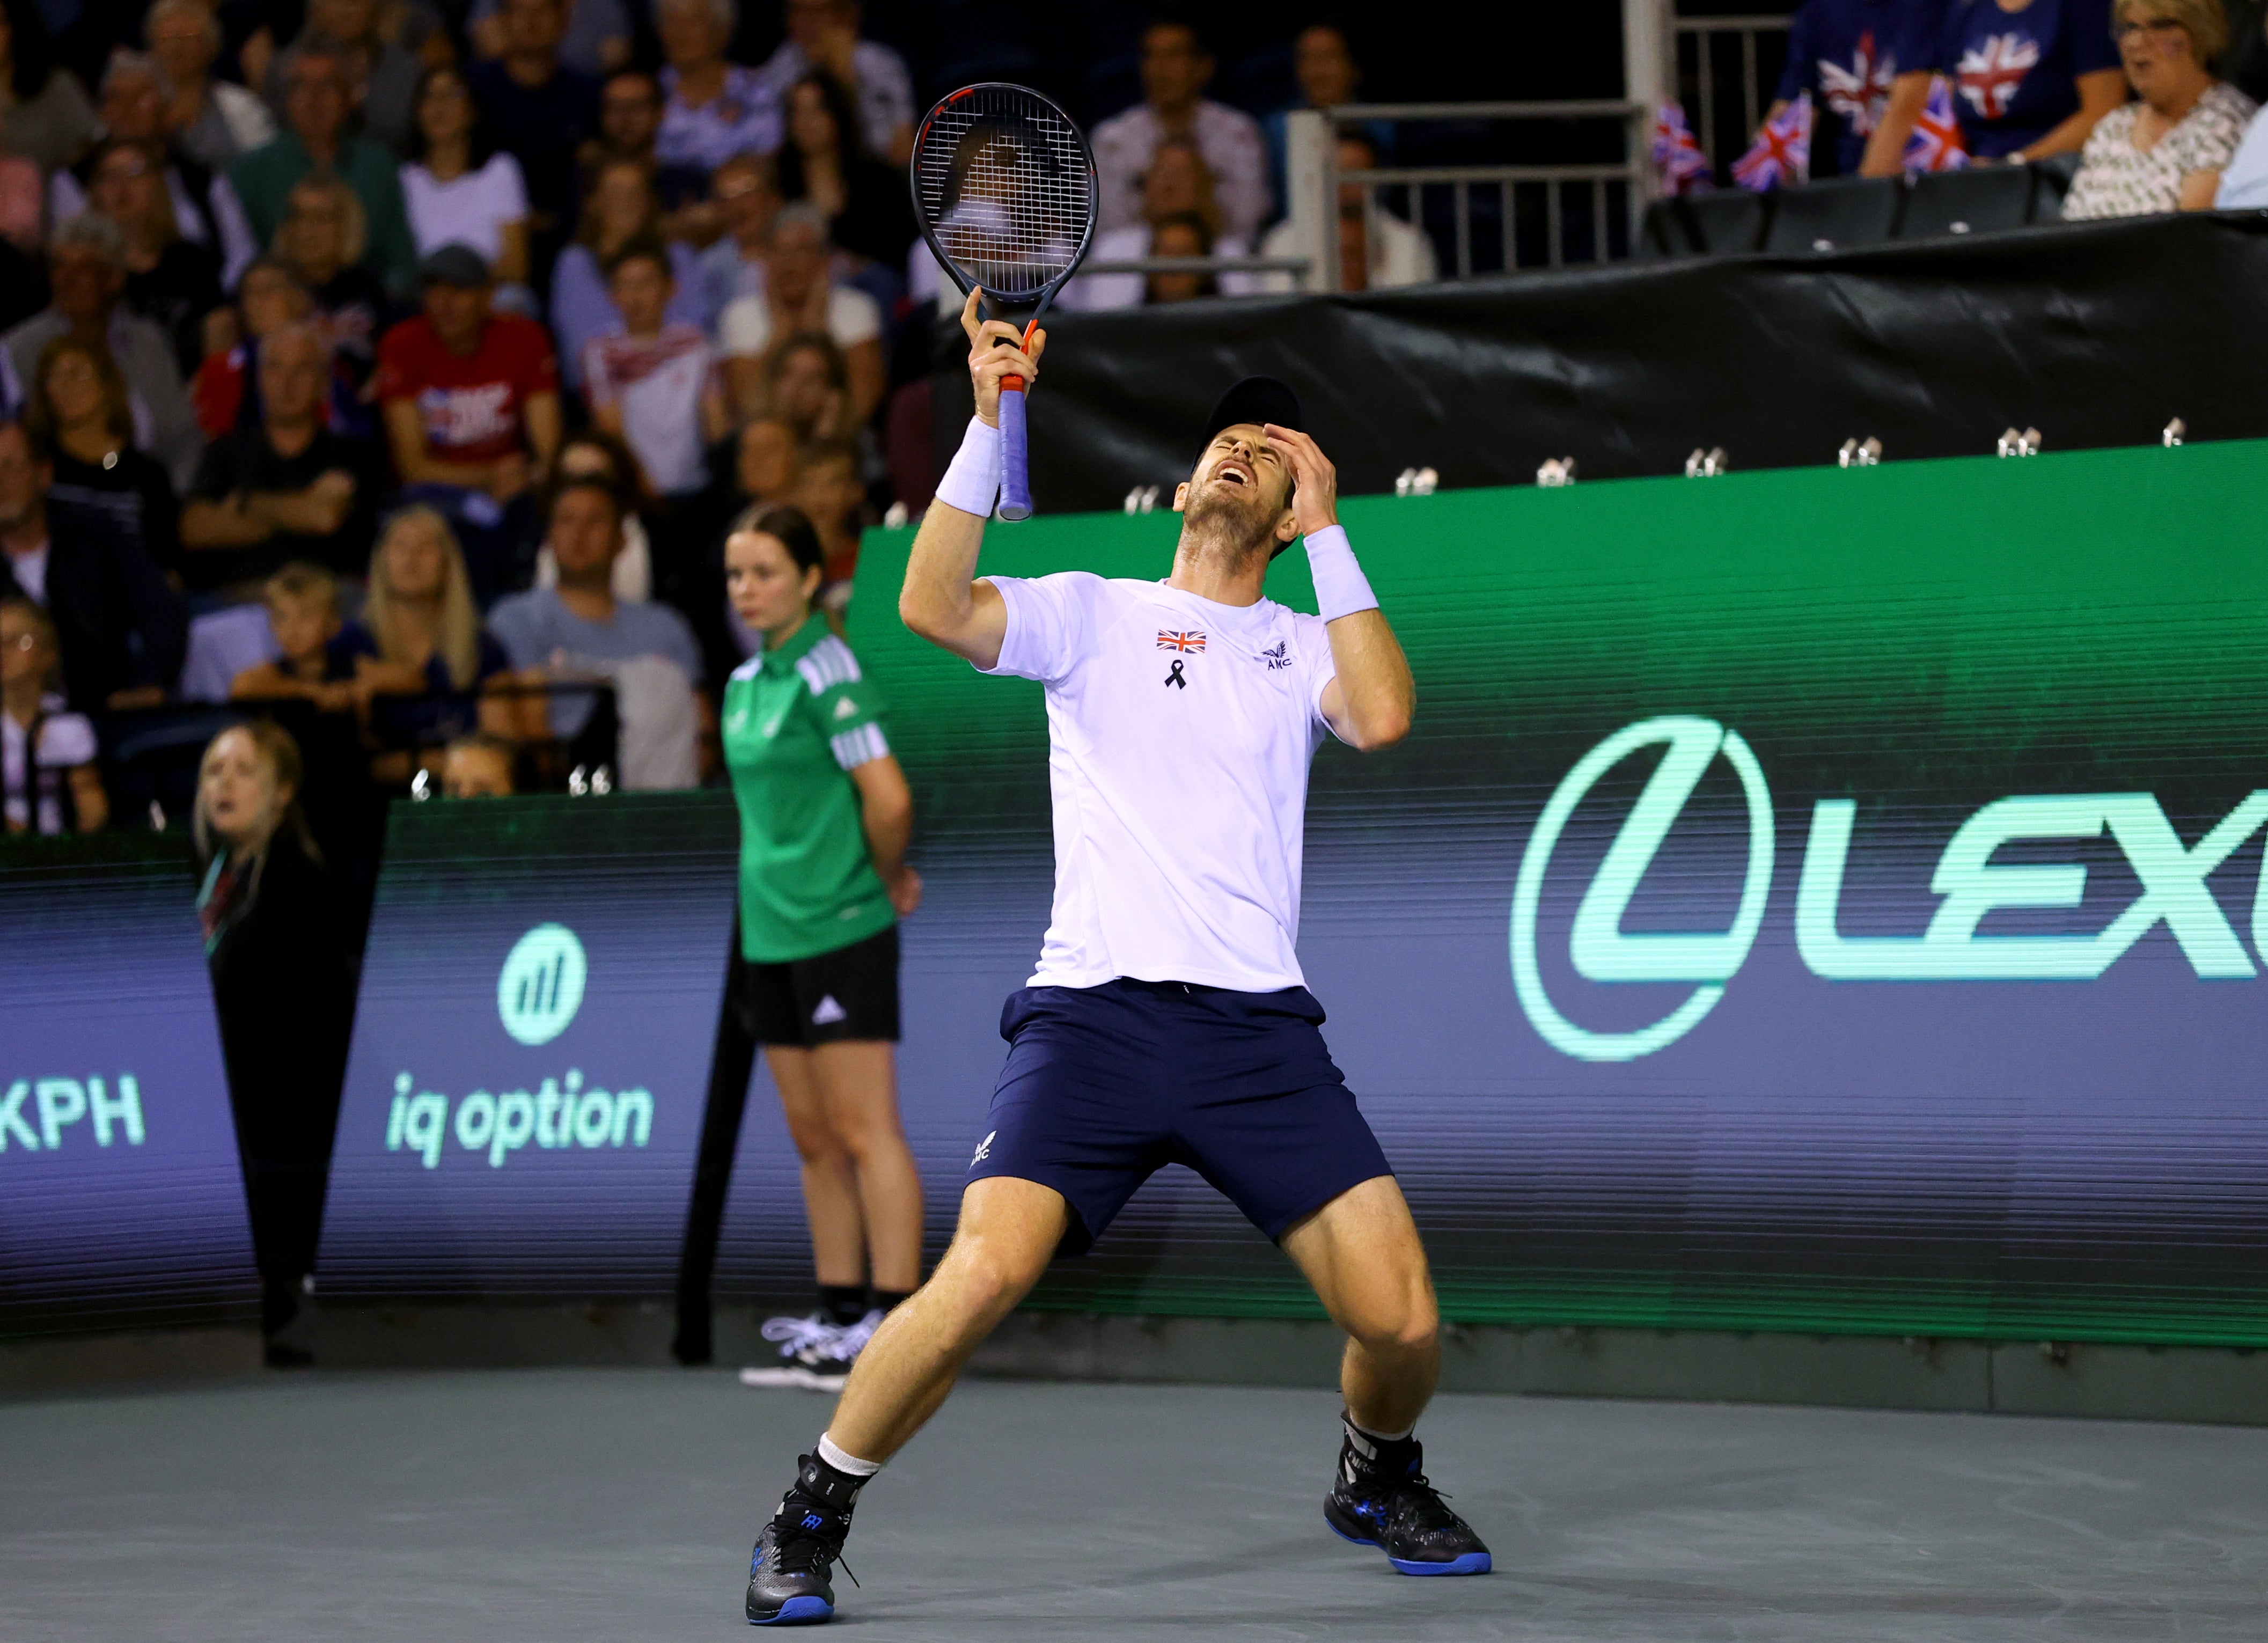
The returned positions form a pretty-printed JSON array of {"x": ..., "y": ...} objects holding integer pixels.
[
  {"x": 1094, "y": 292},
  {"x": 659, "y": 382},
  {"x": 468, "y": 211},
  {"x": 1179, "y": 735},
  {"x": 66, "y": 740},
  {"x": 31, "y": 571},
  {"x": 746, "y": 325}
]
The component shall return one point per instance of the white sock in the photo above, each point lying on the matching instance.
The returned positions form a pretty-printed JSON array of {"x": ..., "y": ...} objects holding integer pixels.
[
  {"x": 848, "y": 1463},
  {"x": 1379, "y": 1437}
]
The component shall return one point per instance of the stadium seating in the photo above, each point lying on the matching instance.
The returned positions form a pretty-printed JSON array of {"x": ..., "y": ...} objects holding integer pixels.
[
  {"x": 1730, "y": 220},
  {"x": 1838, "y": 216},
  {"x": 2053, "y": 176},
  {"x": 1663, "y": 234},
  {"x": 1977, "y": 201}
]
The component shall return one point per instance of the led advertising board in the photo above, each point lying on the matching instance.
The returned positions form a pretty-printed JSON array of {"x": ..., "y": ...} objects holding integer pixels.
[
  {"x": 121, "y": 1200},
  {"x": 531, "y": 1049},
  {"x": 1818, "y": 899}
]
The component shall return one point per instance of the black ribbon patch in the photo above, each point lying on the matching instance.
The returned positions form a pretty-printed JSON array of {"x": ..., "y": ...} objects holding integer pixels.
[{"x": 1175, "y": 678}]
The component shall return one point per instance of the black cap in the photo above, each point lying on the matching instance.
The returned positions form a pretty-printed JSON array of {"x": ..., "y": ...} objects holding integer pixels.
[
  {"x": 453, "y": 264},
  {"x": 1258, "y": 400}
]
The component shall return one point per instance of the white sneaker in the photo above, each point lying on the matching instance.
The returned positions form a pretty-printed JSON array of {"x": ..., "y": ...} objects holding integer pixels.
[{"x": 814, "y": 1354}]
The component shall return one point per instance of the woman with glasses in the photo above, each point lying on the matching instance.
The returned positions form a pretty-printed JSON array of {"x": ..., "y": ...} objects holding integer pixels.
[{"x": 2166, "y": 152}]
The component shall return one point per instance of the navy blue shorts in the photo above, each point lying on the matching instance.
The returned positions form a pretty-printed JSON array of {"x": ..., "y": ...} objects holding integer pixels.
[{"x": 1105, "y": 1086}]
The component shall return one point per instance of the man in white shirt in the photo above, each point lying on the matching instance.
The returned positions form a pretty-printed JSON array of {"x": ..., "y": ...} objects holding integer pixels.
[
  {"x": 1377, "y": 249},
  {"x": 797, "y": 295},
  {"x": 2243, "y": 185},
  {"x": 1167, "y": 1020},
  {"x": 1175, "y": 70},
  {"x": 1177, "y": 185}
]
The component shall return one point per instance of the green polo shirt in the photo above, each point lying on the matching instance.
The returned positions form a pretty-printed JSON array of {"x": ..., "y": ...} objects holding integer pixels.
[
  {"x": 797, "y": 720},
  {"x": 263, "y": 181}
]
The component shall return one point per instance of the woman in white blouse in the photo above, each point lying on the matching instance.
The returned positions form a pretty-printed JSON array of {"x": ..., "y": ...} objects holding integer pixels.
[
  {"x": 460, "y": 188},
  {"x": 2166, "y": 152}
]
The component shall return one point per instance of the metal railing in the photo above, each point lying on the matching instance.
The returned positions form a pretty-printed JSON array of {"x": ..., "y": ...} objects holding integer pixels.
[
  {"x": 1526, "y": 209},
  {"x": 1708, "y": 47},
  {"x": 1294, "y": 266},
  {"x": 1533, "y": 207}
]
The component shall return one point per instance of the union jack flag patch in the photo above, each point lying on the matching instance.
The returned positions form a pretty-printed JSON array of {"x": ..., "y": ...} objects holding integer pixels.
[{"x": 1180, "y": 641}]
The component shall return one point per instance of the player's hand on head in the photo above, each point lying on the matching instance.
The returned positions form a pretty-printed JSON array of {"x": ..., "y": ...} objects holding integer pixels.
[
  {"x": 1315, "y": 498},
  {"x": 995, "y": 351}
]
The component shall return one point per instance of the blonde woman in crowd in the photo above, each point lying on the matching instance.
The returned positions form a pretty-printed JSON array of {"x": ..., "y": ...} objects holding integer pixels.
[{"x": 419, "y": 636}]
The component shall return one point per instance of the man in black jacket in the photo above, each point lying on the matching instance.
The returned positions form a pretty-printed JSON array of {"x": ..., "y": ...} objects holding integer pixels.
[{"x": 124, "y": 630}]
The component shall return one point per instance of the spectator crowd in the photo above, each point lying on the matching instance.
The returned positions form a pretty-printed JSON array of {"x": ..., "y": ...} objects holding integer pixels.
[
  {"x": 2152, "y": 103},
  {"x": 394, "y": 366}
]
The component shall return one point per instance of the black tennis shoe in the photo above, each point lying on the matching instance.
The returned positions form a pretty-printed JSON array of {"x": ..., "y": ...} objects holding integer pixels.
[
  {"x": 789, "y": 1572},
  {"x": 1382, "y": 1499}
]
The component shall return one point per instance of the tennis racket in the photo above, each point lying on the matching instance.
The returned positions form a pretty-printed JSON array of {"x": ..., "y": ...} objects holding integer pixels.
[{"x": 1003, "y": 188}]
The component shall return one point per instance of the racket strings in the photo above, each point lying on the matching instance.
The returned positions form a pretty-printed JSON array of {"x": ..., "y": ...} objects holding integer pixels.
[{"x": 1004, "y": 182}]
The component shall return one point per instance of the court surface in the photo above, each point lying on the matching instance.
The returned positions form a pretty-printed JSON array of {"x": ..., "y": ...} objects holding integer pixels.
[{"x": 618, "y": 1505}]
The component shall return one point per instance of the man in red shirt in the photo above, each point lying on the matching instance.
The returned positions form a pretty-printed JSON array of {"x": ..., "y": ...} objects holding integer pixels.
[{"x": 472, "y": 414}]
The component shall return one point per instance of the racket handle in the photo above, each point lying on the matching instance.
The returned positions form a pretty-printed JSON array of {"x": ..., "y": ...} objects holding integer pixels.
[{"x": 1015, "y": 454}]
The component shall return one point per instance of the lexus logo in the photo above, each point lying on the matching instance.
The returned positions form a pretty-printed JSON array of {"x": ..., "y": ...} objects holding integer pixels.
[{"x": 1597, "y": 946}]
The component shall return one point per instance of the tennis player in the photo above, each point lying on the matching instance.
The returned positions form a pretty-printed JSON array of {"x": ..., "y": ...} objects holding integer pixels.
[{"x": 1167, "y": 1021}]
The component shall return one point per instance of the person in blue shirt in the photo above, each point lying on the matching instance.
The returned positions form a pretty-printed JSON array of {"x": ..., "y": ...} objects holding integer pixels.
[
  {"x": 2243, "y": 186},
  {"x": 2030, "y": 78},
  {"x": 1849, "y": 54}
]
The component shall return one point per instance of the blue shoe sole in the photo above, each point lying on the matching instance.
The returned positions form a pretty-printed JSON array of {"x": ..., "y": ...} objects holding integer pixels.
[
  {"x": 1471, "y": 1563},
  {"x": 799, "y": 1611}
]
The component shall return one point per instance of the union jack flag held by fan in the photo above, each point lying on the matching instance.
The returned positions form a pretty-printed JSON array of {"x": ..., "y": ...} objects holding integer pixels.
[
  {"x": 1678, "y": 160},
  {"x": 1935, "y": 143},
  {"x": 1780, "y": 157}
]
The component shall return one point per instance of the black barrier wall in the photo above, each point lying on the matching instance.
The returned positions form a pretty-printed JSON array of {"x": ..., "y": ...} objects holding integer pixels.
[{"x": 2096, "y": 335}]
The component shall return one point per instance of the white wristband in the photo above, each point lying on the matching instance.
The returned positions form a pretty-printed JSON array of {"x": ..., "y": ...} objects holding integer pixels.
[
  {"x": 1341, "y": 588},
  {"x": 973, "y": 479}
]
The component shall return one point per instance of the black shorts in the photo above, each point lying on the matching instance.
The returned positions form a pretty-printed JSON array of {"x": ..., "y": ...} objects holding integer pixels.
[
  {"x": 1105, "y": 1086},
  {"x": 849, "y": 994}
]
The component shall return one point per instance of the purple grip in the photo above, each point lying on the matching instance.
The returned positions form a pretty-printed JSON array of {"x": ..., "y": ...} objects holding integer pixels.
[{"x": 1015, "y": 457}]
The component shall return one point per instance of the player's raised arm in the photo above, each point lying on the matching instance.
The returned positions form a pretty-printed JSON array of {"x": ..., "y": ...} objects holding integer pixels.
[
  {"x": 941, "y": 599},
  {"x": 1370, "y": 703}
]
